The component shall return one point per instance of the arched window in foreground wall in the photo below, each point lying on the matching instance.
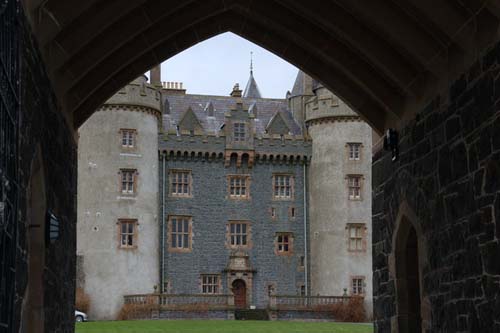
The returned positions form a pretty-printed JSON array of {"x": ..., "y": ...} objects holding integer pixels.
[{"x": 33, "y": 307}]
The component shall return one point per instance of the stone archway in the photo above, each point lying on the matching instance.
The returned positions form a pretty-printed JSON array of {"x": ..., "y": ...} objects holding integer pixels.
[
  {"x": 383, "y": 68},
  {"x": 33, "y": 317},
  {"x": 407, "y": 261},
  {"x": 240, "y": 278},
  {"x": 408, "y": 281},
  {"x": 239, "y": 289}
]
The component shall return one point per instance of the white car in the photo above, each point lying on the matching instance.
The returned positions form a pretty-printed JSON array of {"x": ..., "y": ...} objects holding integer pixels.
[{"x": 80, "y": 316}]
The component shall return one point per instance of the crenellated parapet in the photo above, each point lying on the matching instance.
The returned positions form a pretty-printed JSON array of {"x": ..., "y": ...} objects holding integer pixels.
[
  {"x": 327, "y": 107},
  {"x": 138, "y": 95},
  {"x": 266, "y": 149},
  {"x": 284, "y": 145},
  {"x": 191, "y": 143}
]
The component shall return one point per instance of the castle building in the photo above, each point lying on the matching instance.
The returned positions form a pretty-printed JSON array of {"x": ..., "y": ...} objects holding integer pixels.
[{"x": 240, "y": 195}]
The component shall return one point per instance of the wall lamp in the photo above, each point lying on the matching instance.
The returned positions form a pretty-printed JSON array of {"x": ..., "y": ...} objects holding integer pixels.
[{"x": 391, "y": 142}]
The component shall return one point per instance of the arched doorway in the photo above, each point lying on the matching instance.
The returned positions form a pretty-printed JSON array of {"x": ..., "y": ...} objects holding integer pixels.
[
  {"x": 408, "y": 295},
  {"x": 240, "y": 294},
  {"x": 33, "y": 306}
]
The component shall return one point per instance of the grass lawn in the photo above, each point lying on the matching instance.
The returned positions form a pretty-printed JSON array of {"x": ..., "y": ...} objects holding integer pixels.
[{"x": 219, "y": 326}]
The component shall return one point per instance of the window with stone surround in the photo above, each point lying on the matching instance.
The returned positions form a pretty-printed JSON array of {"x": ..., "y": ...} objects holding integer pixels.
[
  {"x": 127, "y": 233},
  {"x": 210, "y": 284},
  {"x": 239, "y": 131},
  {"x": 273, "y": 213},
  {"x": 167, "y": 287},
  {"x": 284, "y": 243},
  {"x": 354, "y": 186},
  {"x": 180, "y": 183},
  {"x": 238, "y": 234},
  {"x": 302, "y": 290},
  {"x": 283, "y": 186},
  {"x": 180, "y": 233},
  {"x": 358, "y": 285},
  {"x": 128, "y": 183},
  {"x": 239, "y": 186},
  {"x": 271, "y": 289},
  {"x": 302, "y": 262},
  {"x": 354, "y": 151},
  {"x": 356, "y": 233},
  {"x": 128, "y": 137}
]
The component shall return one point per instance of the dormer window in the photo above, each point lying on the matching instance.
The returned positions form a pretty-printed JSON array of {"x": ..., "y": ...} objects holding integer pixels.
[
  {"x": 239, "y": 131},
  {"x": 209, "y": 108}
]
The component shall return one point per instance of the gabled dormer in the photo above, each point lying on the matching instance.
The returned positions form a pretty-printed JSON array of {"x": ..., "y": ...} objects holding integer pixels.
[
  {"x": 190, "y": 122},
  {"x": 239, "y": 132},
  {"x": 278, "y": 125},
  {"x": 209, "y": 109},
  {"x": 239, "y": 128},
  {"x": 253, "y": 110}
]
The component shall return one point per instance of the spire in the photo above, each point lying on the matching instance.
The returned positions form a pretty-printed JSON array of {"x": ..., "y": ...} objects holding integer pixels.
[
  {"x": 251, "y": 90},
  {"x": 302, "y": 85},
  {"x": 251, "y": 63}
]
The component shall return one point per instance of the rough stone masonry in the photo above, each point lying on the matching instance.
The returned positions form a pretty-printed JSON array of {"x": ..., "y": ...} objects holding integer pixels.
[{"x": 449, "y": 174}]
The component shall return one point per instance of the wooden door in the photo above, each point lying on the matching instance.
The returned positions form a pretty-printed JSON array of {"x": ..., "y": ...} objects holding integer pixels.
[{"x": 240, "y": 294}]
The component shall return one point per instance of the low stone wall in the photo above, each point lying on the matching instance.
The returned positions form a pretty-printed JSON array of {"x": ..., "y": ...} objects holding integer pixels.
[
  {"x": 186, "y": 314},
  {"x": 178, "y": 306},
  {"x": 301, "y": 315}
]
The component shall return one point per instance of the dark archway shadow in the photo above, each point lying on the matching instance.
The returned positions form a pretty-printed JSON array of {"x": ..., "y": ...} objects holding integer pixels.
[
  {"x": 408, "y": 279},
  {"x": 33, "y": 317},
  {"x": 408, "y": 258}
]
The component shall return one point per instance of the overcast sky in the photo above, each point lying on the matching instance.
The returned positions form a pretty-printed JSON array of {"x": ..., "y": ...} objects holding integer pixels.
[{"x": 212, "y": 67}]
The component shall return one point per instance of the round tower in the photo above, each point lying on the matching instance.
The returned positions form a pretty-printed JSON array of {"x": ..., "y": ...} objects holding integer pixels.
[
  {"x": 339, "y": 198},
  {"x": 117, "y": 230}
]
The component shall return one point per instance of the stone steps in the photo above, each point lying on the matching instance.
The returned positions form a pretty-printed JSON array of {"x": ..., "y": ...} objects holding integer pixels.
[{"x": 248, "y": 314}]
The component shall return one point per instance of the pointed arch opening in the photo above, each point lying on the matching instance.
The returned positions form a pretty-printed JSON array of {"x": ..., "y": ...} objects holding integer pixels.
[
  {"x": 33, "y": 317},
  {"x": 408, "y": 281},
  {"x": 408, "y": 259}
]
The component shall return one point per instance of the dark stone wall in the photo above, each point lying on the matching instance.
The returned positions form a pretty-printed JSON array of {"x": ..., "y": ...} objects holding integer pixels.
[
  {"x": 449, "y": 174},
  {"x": 42, "y": 125}
]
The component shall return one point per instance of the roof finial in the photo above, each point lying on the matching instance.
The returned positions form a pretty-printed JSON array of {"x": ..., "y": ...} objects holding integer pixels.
[{"x": 251, "y": 62}]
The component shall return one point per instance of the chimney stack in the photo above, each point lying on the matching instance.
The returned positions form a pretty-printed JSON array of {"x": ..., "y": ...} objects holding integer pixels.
[
  {"x": 155, "y": 75},
  {"x": 236, "y": 91}
]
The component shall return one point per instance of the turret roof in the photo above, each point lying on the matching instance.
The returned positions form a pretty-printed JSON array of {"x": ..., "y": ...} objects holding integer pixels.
[
  {"x": 302, "y": 85},
  {"x": 251, "y": 89}
]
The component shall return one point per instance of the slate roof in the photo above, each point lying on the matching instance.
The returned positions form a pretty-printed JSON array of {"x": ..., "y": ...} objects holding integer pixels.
[
  {"x": 251, "y": 89},
  {"x": 266, "y": 109},
  {"x": 298, "y": 86}
]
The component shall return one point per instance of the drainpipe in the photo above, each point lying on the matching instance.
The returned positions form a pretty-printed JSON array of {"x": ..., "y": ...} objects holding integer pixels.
[
  {"x": 306, "y": 262},
  {"x": 162, "y": 251}
]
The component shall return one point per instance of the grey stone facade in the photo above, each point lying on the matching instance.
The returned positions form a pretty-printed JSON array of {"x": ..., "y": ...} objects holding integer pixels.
[
  {"x": 339, "y": 223},
  {"x": 211, "y": 210},
  {"x": 111, "y": 270},
  {"x": 197, "y": 136}
]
